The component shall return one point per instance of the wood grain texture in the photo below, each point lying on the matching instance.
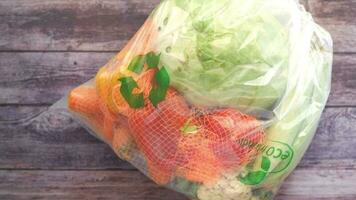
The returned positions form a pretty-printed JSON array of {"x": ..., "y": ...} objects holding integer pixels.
[
  {"x": 71, "y": 24},
  {"x": 81, "y": 185},
  {"x": 306, "y": 184},
  {"x": 53, "y": 140},
  {"x": 43, "y": 78},
  {"x": 337, "y": 17},
  {"x": 33, "y": 138},
  {"x": 319, "y": 184},
  {"x": 104, "y": 25}
]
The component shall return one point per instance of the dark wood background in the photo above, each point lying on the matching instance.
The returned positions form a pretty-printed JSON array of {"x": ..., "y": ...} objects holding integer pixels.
[{"x": 50, "y": 46}]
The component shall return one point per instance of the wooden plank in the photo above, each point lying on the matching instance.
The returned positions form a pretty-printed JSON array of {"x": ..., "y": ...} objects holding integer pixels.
[
  {"x": 338, "y": 17},
  {"x": 91, "y": 25},
  {"x": 71, "y": 24},
  {"x": 53, "y": 140},
  {"x": 79, "y": 185},
  {"x": 43, "y": 78},
  {"x": 343, "y": 86},
  {"x": 332, "y": 144},
  {"x": 307, "y": 184},
  {"x": 319, "y": 184},
  {"x": 33, "y": 138}
]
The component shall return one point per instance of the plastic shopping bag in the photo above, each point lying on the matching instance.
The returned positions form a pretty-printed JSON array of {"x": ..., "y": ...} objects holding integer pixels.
[{"x": 217, "y": 99}]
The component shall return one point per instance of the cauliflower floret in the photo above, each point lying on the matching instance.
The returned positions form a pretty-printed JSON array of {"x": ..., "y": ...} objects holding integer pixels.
[
  {"x": 228, "y": 188},
  {"x": 255, "y": 198}
]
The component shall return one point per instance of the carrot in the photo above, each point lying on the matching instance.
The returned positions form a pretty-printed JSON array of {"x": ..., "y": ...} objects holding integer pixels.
[
  {"x": 159, "y": 175},
  {"x": 108, "y": 126},
  {"x": 202, "y": 169},
  {"x": 84, "y": 101},
  {"x": 201, "y": 163},
  {"x": 121, "y": 139}
]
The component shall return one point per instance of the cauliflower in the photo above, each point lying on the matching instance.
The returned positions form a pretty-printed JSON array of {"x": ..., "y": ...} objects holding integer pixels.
[{"x": 228, "y": 188}]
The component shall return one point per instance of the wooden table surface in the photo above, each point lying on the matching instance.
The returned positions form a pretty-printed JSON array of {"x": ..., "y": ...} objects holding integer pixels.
[{"x": 50, "y": 46}]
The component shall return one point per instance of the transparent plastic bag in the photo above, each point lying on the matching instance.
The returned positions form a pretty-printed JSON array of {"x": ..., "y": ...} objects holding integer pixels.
[{"x": 217, "y": 99}]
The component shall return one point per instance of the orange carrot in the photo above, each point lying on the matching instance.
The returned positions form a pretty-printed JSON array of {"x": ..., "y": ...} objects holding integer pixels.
[
  {"x": 159, "y": 175},
  {"x": 201, "y": 163},
  {"x": 121, "y": 138},
  {"x": 84, "y": 101}
]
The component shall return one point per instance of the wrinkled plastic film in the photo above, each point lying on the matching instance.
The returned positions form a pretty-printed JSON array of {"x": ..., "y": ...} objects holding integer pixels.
[{"x": 216, "y": 99}]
